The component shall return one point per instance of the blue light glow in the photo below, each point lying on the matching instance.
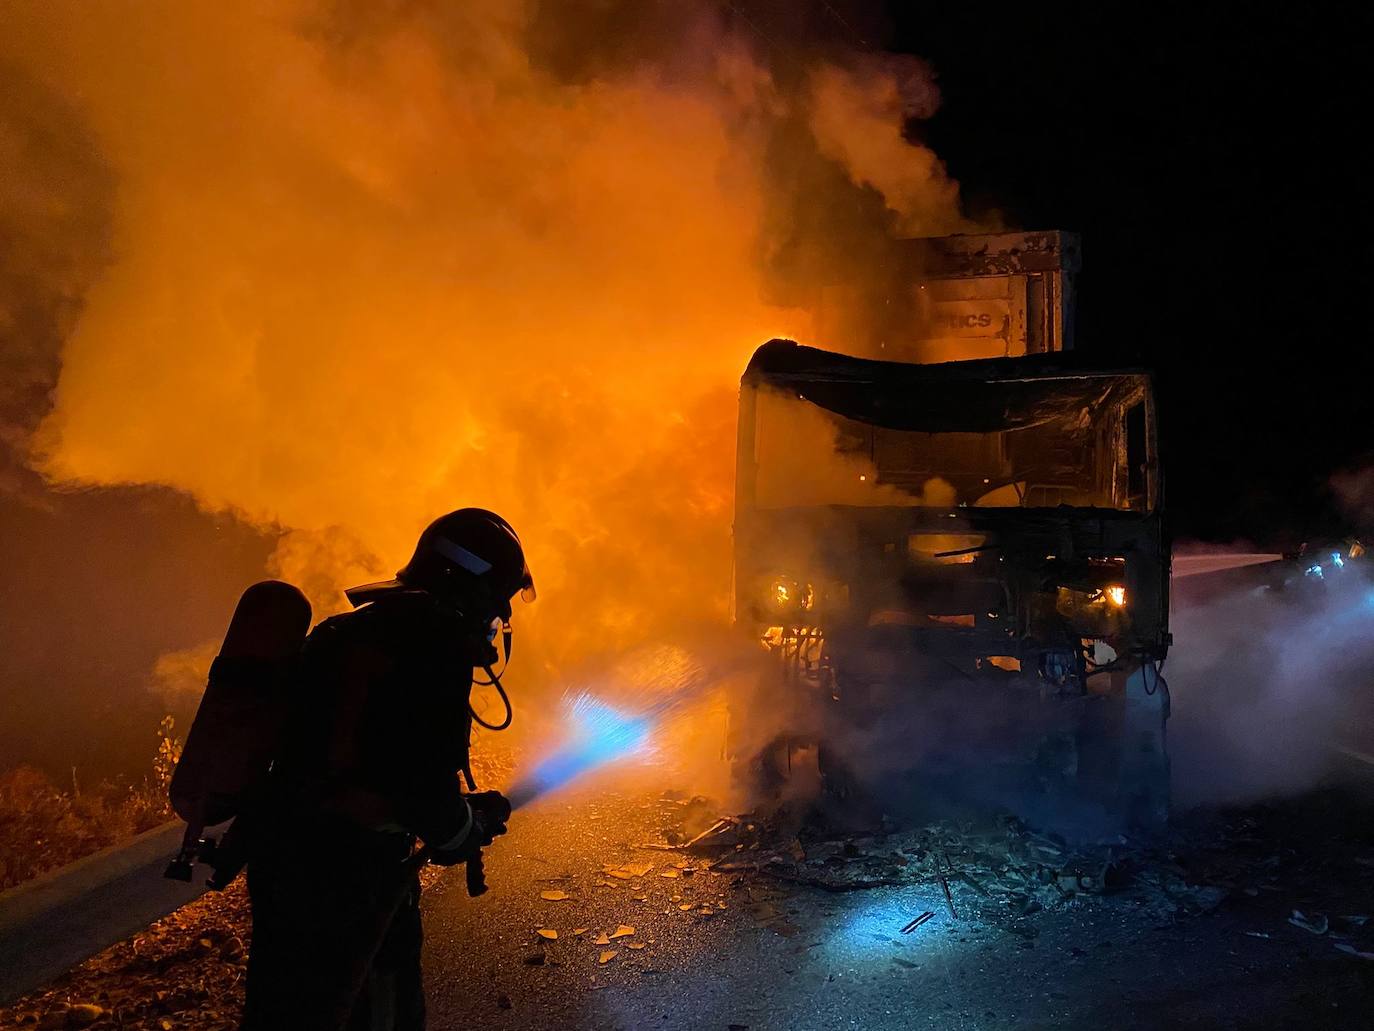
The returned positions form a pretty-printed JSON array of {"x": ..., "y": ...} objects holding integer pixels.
[
  {"x": 871, "y": 930},
  {"x": 1315, "y": 570},
  {"x": 597, "y": 734},
  {"x": 1336, "y": 558}
]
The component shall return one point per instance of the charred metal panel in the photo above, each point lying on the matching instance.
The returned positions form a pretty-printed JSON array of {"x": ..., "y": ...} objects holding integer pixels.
[
  {"x": 1030, "y": 276},
  {"x": 956, "y": 298}
]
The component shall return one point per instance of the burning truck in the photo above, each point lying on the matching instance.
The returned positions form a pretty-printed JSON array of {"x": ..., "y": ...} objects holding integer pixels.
[{"x": 965, "y": 519}]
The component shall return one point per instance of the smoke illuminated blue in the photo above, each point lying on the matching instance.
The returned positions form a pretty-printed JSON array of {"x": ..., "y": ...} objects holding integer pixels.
[{"x": 597, "y": 734}]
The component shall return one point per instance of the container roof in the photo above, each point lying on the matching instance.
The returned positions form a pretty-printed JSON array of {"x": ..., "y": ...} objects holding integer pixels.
[{"x": 976, "y": 396}]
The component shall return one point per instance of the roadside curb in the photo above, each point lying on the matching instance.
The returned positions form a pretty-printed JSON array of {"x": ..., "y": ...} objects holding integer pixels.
[{"x": 53, "y": 922}]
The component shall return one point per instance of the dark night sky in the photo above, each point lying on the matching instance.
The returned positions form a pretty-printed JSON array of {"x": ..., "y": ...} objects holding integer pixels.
[{"x": 1211, "y": 160}]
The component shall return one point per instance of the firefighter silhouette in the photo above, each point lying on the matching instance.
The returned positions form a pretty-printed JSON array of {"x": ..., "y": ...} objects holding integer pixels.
[{"x": 337, "y": 756}]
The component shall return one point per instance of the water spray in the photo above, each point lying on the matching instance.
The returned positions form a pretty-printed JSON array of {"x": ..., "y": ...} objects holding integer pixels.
[
  {"x": 665, "y": 681},
  {"x": 598, "y": 734}
]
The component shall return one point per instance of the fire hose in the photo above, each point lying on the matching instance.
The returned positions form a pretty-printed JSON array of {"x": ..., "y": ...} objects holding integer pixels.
[
  {"x": 476, "y": 868},
  {"x": 410, "y": 868}
]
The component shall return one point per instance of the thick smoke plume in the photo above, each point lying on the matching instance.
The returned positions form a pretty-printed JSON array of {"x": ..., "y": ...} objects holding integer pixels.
[
  {"x": 1267, "y": 684},
  {"x": 55, "y": 195},
  {"x": 370, "y": 263}
]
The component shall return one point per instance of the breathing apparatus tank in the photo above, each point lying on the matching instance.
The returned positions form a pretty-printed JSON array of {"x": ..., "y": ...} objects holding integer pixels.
[
  {"x": 236, "y": 731},
  {"x": 469, "y": 560}
]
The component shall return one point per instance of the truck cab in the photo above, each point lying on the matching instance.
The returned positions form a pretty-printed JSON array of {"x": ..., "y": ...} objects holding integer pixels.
[{"x": 992, "y": 520}]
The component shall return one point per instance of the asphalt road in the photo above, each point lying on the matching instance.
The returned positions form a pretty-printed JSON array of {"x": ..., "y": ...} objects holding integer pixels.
[{"x": 770, "y": 956}]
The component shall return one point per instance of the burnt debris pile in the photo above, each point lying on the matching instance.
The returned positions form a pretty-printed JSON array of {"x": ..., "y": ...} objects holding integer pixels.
[{"x": 997, "y": 870}]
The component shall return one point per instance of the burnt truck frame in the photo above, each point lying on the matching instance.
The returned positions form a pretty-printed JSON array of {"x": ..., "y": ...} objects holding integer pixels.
[{"x": 999, "y": 518}]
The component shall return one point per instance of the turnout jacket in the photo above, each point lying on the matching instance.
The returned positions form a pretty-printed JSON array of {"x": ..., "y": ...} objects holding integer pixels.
[{"x": 380, "y": 729}]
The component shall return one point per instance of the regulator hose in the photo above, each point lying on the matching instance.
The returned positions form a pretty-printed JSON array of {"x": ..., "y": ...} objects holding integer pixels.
[
  {"x": 495, "y": 682},
  {"x": 505, "y": 700}
]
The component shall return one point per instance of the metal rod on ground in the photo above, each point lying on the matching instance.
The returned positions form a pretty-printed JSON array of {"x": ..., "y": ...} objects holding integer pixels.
[
  {"x": 719, "y": 825},
  {"x": 923, "y": 918},
  {"x": 949, "y": 899}
]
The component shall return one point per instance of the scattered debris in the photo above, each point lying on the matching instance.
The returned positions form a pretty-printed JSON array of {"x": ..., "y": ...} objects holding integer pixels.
[
  {"x": 1315, "y": 924},
  {"x": 717, "y": 828},
  {"x": 1085, "y": 875},
  {"x": 623, "y": 931},
  {"x": 1012, "y": 870},
  {"x": 579, "y": 930},
  {"x": 554, "y": 896},
  {"x": 549, "y": 933},
  {"x": 634, "y": 945},
  {"x": 607, "y": 956}
]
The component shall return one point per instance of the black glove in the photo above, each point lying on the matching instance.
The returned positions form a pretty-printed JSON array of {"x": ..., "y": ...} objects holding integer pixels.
[
  {"x": 490, "y": 811},
  {"x": 450, "y": 856}
]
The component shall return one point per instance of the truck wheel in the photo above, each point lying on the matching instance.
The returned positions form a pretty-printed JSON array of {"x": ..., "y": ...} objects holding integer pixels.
[
  {"x": 785, "y": 767},
  {"x": 1144, "y": 752},
  {"x": 837, "y": 777},
  {"x": 1123, "y": 759},
  {"x": 1099, "y": 748}
]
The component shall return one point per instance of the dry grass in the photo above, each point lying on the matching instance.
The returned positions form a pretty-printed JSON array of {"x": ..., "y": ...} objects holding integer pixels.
[{"x": 42, "y": 827}]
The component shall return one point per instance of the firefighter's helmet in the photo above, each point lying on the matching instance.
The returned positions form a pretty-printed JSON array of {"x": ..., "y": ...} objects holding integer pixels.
[{"x": 470, "y": 556}]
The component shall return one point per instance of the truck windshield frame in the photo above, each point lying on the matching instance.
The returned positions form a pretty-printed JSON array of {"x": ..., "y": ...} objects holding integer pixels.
[{"x": 950, "y": 436}]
